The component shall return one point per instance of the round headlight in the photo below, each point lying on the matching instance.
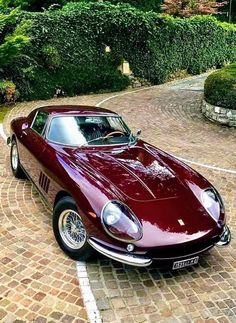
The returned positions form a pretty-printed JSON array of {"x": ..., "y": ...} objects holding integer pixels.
[
  {"x": 113, "y": 214},
  {"x": 120, "y": 222},
  {"x": 208, "y": 198},
  {"x": 212, "y": 202}
]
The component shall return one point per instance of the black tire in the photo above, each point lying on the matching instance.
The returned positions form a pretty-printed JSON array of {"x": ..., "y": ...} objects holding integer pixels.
[
  {"x": 16, "y": 166},
  {"x": 81, "y": 253}
]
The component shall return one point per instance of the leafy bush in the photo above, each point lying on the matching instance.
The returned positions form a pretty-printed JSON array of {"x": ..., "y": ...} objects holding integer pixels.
[
  {"x": 13, "y": 38},
  {"x": 157, "y": 46},
  {"x": 31, "y": 5},
  {"x": 220, "y": 87},
  {"x": 145, "y": 5},
  {"x": 8, "y": 91},
  {"x": 67, "y": 48}
]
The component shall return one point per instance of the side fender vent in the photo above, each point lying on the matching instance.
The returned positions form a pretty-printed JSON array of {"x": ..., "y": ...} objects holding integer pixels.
[{"x": 44, "y": 181}]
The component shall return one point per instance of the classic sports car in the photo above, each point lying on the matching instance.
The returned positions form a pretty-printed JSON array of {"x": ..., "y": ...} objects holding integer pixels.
[{"x": 112, "y": 192}]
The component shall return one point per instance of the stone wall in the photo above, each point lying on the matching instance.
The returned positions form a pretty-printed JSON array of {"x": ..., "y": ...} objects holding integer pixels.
[{"x": 219, "y": 115}]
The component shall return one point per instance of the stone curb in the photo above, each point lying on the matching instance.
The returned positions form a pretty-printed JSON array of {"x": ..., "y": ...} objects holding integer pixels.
[{"x": 219, "y": 115}]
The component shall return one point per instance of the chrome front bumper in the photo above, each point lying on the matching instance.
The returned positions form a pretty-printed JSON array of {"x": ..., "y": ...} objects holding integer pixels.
[
  {"x": 142, "y": 261},
  {"x": 225, "y": 237},
  {"x": 126, "y": 258}
]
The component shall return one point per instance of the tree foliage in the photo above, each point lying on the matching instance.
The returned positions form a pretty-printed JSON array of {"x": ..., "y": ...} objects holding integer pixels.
[
  {"x": 12, "y": 39},
  {"x": 145, "y": 5},
  {"x": 188, "y": 8},
  {"x": 67, "y": 48},
  {"x": 39, "y": 5},
  {"x": 31, "y": 5}
]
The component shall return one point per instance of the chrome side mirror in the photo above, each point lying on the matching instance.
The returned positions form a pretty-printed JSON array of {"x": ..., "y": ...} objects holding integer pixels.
[
  {"x": 25, "y": 126},
  {"x": 138, "y": 132}
]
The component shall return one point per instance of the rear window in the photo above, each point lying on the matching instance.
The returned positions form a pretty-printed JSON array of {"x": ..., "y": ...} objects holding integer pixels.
[{"x": 40, "y": 122}]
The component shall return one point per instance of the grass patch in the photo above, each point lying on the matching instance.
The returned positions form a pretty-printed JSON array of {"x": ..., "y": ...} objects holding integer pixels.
[{"x": 4, "y": 110}]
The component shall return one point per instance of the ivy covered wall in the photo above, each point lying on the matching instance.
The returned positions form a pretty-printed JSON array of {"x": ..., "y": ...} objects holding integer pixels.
[{"x": 67, "y": 48}]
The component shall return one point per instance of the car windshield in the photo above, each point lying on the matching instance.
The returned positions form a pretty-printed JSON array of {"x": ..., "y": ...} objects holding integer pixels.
[{"x": 89, "y": 130}]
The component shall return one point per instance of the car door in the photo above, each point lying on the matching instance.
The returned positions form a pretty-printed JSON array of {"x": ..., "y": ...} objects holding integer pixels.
[{"x": 34, "y": 149}]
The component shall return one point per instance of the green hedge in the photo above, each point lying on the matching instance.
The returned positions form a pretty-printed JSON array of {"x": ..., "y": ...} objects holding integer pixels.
[
  {"x": 220, "y": 87},
  {"x": 67, "y": 48}
]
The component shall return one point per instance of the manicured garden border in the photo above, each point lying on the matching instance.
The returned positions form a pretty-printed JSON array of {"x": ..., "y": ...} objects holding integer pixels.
[{"x": 218, "y": 114}]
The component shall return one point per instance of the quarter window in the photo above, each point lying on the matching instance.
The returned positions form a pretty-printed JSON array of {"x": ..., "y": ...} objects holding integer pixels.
[{"x": 39, "y": 122}]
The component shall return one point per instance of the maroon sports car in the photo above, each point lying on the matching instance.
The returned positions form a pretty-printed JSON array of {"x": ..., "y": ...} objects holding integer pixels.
[{"x": 112, "y": 192}]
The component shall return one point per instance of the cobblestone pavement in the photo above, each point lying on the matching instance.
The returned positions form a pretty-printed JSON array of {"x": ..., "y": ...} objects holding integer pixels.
[{"x": 38, "y": 281}]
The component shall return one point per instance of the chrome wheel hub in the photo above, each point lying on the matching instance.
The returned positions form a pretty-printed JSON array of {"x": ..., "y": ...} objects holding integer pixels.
[
  {"x": 71, "y": 229},
  {"x": 14, "y": 157}
]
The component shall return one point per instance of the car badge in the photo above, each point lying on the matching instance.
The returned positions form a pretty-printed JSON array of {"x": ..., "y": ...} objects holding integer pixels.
[{"x": 181, "y": 222}]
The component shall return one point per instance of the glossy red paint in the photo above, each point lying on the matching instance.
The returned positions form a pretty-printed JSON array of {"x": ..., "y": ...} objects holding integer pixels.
[{"x": 157, "y": 187}]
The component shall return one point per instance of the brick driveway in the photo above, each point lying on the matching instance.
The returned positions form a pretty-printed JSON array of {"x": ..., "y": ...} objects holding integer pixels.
[{"x": 37, "y": 282}]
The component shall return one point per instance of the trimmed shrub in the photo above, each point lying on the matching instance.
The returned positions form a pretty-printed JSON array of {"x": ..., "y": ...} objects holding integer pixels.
[
  {"x": 220, "y": 87},
  {"x": 67, "y": 48}
]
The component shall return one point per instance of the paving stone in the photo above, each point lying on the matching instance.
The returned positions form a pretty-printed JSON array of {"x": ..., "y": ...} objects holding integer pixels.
[
  {"x": 103, "y": 304},
  {"x": 118, "y": 303},
  {"x": 32, "y": 264}
]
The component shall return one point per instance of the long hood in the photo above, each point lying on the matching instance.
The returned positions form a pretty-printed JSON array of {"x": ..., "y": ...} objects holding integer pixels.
[
  {"x": 157, "y": 188},
  {"x": 134, "y": 171}
]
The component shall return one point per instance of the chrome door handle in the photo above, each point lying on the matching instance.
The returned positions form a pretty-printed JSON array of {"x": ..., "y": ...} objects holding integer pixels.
[{"x": 23, "y": 133}]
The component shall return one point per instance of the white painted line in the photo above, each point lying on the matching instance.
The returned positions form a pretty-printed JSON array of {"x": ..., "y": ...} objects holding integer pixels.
[
  {"x": 86, "y": 291},
  {"x": 180, "y": 158},
  {"x": 87, "y": 294},
  {"x": 230, "y": 171},
  {"x": 2, "y": 133},
  {"x": 122, "y": 94},
  {"x": 82, "y": 275}
]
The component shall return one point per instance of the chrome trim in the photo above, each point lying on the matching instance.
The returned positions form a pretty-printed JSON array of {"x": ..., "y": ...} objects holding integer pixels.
[
  {"x": 36, "y": 113},
  {"x": 219, "y": 200},
  {"x": 202, "y": 192},
  {"x": 14, "y": 157},
  {"x": 126, "y": 258},
  {"x": 225, "y": 237},
  {"x": 42, "y": 135}
]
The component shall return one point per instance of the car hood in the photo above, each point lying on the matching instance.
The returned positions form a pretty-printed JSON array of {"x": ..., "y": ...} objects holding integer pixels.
[
  {"x": 153, "y": 186},
  {"x": 136, "y": 172}
]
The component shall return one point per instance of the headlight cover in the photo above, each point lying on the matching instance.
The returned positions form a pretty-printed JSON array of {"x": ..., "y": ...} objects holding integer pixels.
[
  {"x": 213, "y": 203},
  {"x": 120, "y": 222}
]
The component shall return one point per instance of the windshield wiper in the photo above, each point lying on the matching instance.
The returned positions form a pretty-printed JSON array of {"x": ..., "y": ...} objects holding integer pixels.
[{"x": 92, "y": 140}]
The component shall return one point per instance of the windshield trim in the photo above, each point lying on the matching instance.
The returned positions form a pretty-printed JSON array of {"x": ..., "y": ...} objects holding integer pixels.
[{"x": 86, "y": 146}]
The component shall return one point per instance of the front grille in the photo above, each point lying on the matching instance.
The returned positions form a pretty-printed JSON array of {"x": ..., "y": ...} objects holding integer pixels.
[{"x": 183, "y": 250}]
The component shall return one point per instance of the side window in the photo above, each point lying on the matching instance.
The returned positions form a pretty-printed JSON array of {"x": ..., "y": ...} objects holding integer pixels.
[{"x": 39, "y": 122}]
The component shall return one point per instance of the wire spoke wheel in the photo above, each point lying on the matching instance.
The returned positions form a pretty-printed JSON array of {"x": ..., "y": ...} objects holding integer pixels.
[
  {"x": 71, "y": 229},
  {"x": 14, "y": 157}
]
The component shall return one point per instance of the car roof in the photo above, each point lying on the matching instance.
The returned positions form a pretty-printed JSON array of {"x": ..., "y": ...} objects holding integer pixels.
[{"x": 76, "y": 110}]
